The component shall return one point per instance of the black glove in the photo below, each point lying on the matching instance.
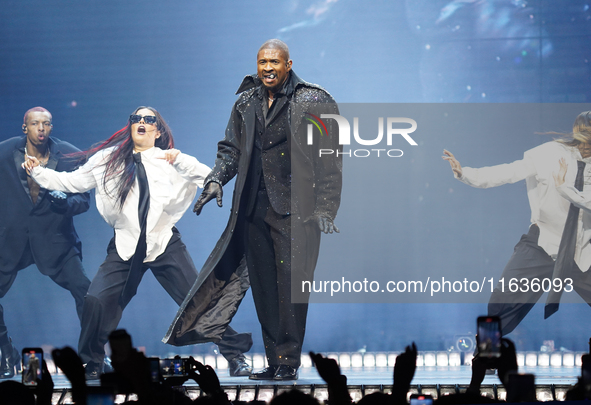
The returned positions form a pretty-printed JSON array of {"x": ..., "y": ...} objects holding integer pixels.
[
  {"x": 58, "y": 199},
  {"x": 212, "y": 190}
]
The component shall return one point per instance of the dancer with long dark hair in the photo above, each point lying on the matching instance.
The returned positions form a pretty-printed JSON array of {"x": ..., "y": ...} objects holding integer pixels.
[{"x": 143, "y": 187}]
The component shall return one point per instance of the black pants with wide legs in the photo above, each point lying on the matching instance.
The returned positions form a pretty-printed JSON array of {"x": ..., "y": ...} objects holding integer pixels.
[
  {"x": 529, "y": 261},
  {"x": 70, "y": 276},
  {"x": 174, "y": 270}
]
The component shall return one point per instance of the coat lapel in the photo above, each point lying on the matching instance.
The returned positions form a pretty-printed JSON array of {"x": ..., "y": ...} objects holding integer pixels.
[
  {"x": 19, "y": 158},
  {"x": 277, "y": 108}
]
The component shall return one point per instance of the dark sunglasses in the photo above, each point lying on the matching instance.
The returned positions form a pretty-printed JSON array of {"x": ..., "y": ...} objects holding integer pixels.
[{"x": 148, "y": 119}]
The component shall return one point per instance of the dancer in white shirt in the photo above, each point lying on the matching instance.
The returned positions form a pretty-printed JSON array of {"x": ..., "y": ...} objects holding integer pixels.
[
  {"x": 535, "y": 254},
  {"x": 117, "y": 168}
]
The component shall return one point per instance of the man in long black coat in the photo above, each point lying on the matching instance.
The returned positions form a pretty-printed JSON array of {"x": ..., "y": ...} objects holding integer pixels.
[
  {"x": 286, "y": 194},
  {"x": 36, "y": 225}
]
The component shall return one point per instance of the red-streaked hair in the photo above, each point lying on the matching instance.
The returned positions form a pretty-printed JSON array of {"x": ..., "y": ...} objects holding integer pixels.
[{"x": 120, "y": 161}]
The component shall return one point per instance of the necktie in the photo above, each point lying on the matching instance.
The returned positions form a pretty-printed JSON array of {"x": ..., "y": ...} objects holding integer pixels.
[
  {"x": 135, "y": 272},
  {"x": 565, "y": 260}
]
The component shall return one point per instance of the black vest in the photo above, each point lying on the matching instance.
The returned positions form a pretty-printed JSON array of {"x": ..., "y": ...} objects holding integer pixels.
[{"x": 270, "y": 166}]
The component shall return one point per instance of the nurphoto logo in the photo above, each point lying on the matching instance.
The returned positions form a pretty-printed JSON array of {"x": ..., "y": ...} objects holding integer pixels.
[{"x": 392, "y": 129}]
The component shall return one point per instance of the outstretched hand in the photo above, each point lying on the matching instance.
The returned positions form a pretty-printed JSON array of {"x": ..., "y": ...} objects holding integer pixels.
[
  {"x": 324, "y": 222},
  {"x": 212, "y": 190},
  {"x": 453, "y": 162}
]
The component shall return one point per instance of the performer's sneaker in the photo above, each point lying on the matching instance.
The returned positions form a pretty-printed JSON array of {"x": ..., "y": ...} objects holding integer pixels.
[
  {"x": 11, "y": 360},
  {"x": 92, "y": 370},
  {"x": 265, "y": 374},
  {"x": 238, "y": 367},
  {"x": 286, "y": 373}
]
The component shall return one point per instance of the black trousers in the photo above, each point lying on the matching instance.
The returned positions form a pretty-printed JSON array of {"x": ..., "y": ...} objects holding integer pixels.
[
  {"x": 276, "y": 248},
  {"x": 70, "y": 276},
  {"x": 529, "y": 261},
  {"x": 174, "y": 270}
]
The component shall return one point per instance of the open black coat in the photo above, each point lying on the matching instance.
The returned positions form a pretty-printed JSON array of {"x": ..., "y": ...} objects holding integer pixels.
[
  {"x": 315, "y": 189},
  {"x": 49, "y": 231}
]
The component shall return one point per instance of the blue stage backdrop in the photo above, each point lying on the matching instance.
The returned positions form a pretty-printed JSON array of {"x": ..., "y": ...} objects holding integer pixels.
[{"x": 91, "y": 63}]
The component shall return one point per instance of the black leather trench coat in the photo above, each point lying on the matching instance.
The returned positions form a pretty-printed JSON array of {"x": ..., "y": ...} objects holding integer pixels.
[{"x": 316, "y": 188}]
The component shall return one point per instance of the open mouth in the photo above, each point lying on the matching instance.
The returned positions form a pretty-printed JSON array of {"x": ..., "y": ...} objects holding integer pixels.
[
  {"x": 141, "y": 130},
  {"x": 270, "y": 77}
]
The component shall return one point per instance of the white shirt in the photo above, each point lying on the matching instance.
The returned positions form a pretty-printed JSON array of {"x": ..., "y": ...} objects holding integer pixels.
[
  {"x": 172, "y": 190},
  {"x": 549, "y": 204}
]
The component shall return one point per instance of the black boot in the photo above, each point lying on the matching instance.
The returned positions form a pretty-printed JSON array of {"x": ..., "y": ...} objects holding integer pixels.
[{"x": 10, "y": 360}]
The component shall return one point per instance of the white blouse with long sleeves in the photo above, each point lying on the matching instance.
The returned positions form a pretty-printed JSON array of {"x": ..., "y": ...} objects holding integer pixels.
[
  {"x": 172, "y": 190},
  {"x": 549, "y": 204}
]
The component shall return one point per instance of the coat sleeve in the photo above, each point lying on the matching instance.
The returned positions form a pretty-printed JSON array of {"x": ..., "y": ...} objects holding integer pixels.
[
  {"x": 327, "y": 159},
  {"x": 77, "y": 203},
  {"x": 228, "y": 155}
]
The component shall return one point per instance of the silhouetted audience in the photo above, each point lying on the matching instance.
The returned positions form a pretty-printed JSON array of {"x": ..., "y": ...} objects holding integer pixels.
[
  {"x": 294, "y": 397},
  {"x": 133, "y": 374}
]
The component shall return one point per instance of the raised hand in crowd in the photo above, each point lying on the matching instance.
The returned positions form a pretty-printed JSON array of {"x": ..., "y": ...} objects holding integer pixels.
[
  {"x": 69, "y": 362},
  {"x": 44, "y": 388},
  {"x": 404, "y": 371},
  {"x": 330, "y": 372},
  {"x": 479, "y": 367},
  {"x": 507, "y": 363},
  {"x": 208, "y": 380}
]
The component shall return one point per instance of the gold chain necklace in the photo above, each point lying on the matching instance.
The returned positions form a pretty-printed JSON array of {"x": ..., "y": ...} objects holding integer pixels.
[{"x": 41, "y": 163}]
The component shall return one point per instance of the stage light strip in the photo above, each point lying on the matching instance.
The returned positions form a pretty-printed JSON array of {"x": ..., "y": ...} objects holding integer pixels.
[{"x": 371, "y": 360}]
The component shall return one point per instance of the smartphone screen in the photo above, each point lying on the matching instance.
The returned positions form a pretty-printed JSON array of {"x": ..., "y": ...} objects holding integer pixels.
[
  {"x": 489, "y": 336},
  {"x": 172, "y": 367},
  {"x": 32, "y": 365},
  {"x": 420, "y": 399}
]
